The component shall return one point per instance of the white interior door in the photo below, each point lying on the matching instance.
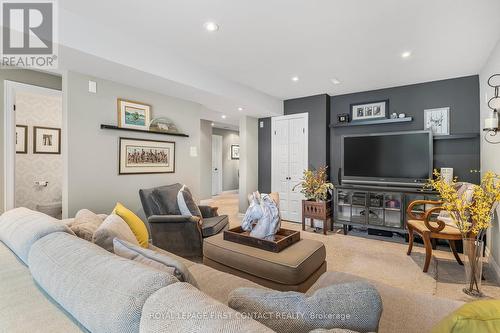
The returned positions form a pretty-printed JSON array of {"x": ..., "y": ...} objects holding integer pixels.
[
  {"x": 216, "y": 164},
  {"x": 289, "y": 160}
]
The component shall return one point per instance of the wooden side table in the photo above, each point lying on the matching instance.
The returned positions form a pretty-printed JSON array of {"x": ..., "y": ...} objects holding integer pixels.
[{"x": 317, "y": 211}]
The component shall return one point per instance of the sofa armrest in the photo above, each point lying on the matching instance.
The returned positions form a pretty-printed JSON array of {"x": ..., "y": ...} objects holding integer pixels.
[
  {"x": 172, "y": 219},
  {"x": 207, "y": 211}
]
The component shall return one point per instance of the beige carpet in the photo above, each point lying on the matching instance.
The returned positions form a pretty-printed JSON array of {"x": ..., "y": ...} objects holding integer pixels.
[{"x": 382, "y": 260}]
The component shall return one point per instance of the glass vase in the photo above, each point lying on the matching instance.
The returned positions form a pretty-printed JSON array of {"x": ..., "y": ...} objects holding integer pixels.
[{"x": 473, "y": 264}]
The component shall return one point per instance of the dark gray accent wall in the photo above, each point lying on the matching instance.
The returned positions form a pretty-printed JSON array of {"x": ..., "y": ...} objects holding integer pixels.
[
  {"x": 460, "y": 94},
  {"x": 265, "y": 155}
]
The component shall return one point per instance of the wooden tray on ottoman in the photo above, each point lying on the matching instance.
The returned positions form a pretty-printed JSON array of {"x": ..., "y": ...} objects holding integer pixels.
[{"x": 283, "y": 239}]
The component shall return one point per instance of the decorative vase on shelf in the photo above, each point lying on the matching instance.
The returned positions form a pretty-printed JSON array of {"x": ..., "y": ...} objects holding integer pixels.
[{"x": 473, "y": 264}]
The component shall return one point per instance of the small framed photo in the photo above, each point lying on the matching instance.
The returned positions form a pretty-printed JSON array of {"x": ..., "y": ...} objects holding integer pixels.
[
  {"x": 369, "y": 110},
  {"x": 133, "y": 115},
  {"x": 46, "y": 140},
  {"x": 235, "y": 152},
  {"x": 21, "y": 139},
  {"x": 138, "y": 156},
  {"x": 437, "y": 120}
]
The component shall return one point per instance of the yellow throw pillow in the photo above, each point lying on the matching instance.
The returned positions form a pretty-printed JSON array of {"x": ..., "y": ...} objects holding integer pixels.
[
  {"x": 479, "y": 316},
  {"x": 134, "y": 222}
]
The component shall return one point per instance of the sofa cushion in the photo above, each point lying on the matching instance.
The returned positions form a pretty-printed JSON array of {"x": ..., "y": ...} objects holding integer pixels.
[
  {"x": 104, "y": 292},
  {"x": 85, "y": 224},
  {"x": 479, "y": 316},
  {"x": 197, "y": 312},
  {"x": 135, "y": 224},
  {"x": 154, "y": 259},
  {"x": 186, "y": 203},
  {"x": 291, "y": 266},
  {"x": 166, "y": 199},
  {"x": 21, "y": 227},
  {"x": 420, "y": 312},
  {"x": 23, "y": 306},
  {"x": 356, "y": 306},
  {"x": 113, "y": 227},
  {"x": 213, "y": 225}
]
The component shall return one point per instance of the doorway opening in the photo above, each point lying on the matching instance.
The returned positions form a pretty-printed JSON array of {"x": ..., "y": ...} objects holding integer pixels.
[
  {"x": 34, "y": 166},
  {"x": 225, "y": 160}
]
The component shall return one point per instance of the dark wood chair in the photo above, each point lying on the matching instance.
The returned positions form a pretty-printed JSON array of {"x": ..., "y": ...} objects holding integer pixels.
[{"x": 430, "y": 230}]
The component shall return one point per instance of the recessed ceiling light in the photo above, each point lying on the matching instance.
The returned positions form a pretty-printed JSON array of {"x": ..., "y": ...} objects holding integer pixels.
[
  {"x": 240, "y": 109},
  {"x": 406, "y": 54},
  {"x": 211, "y": 26},
  {"x": 213, "y": 124},
  {"x": 295, "y": 78},
  {"x": 335, "y": 81},
  {"x": 224, "y": 116}
]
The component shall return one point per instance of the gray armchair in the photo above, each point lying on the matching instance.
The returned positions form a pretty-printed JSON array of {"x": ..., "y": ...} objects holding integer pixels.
[{"x": 179, "y": 234}]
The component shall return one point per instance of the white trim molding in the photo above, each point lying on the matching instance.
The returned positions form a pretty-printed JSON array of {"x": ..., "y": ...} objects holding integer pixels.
[{"x": 493, "y": 265}]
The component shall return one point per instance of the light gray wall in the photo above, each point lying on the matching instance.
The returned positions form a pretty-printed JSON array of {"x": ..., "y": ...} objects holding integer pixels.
[
  {"x": 230, "y": 168},
  {"x": 490, "y": 154},
  {"x": 205, "y": 159},
  {"x": 23, "y": 76},
  {"x": 93, "y": 180},
  {"x": 249, "y": 154}
]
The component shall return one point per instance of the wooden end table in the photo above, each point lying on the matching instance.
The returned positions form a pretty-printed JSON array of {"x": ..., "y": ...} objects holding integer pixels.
[{"x": 317, "y": 210}]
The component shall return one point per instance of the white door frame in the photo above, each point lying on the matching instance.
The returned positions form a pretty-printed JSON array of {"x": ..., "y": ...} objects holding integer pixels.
[
  {"x": 304, "y": 116},
  {"x": 10, "y": 88},
  {"x": 220, "y": 161}
]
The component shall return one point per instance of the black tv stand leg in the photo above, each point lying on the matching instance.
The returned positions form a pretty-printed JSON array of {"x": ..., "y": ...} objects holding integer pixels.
[{"x": 344, "y": 227}]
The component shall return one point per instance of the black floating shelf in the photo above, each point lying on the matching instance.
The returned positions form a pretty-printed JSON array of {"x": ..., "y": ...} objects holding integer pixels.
[
  {"x": 112, "y": 127},
  {"x": 373, "y": 122},
  {"x": 457, "y": 136}
]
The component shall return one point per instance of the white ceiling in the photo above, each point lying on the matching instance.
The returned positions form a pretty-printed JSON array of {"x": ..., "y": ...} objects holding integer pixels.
[{"x": 261, "y": 44}]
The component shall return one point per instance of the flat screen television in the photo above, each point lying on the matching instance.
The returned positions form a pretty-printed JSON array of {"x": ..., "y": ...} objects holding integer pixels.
[{"x": 397, "y": 159}]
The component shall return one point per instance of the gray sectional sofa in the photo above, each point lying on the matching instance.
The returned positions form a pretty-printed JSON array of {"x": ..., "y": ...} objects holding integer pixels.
[{"x": 53, "y": 281}]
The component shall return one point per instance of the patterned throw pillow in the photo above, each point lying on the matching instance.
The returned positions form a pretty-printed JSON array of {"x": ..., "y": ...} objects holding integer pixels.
[
  {"x": 154, "y": 259},
  {"x": 85, "y": 224},
  {"x": 113, "y": 227},
  {"x": 186, "y": 203}
]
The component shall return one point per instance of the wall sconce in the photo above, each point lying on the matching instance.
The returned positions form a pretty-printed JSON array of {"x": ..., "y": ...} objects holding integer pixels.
[{"x": 491, "y": 123}]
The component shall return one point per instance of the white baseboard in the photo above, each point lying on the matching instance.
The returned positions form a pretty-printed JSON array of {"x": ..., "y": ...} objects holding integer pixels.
[{"x": 494, "y": 267}]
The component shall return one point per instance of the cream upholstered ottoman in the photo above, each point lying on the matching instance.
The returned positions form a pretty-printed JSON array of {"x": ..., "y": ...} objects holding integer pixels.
[{"x": 295, "y": 268}]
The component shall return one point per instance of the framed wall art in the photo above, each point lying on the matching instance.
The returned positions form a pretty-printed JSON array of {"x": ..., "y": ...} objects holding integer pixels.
[
  {"x": 46, "y": 140},
  {"x": 133, "y": 115},
  {"x": 437, "y": 120},
  {"x": 139, "y": 156},
  {"x": 21, "y": 139},
  {"x": 235, "y": 152},
  {"x": 370, "y": 110}
]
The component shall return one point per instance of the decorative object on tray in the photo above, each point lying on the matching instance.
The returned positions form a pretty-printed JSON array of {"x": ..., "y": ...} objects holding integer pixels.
[
  {"x": 21, "y": 139},
  {"x": 470, "y": 209},
  {"x": 283, "y": 239},
  {"x": 163, "y": 125},
  {"x": 262, "y": 218},
  {"x": 437, "y": 120},
  {"x": 46, "y": 140},
  {"x": 343, "y": 118},
  {"x": 491, "y": 124},
  {"x": 134, "y": 115},
  {"x": 370, "y": 110},
  {"x": 138, "y": 156},
  {"x": 235, "y": 152}
]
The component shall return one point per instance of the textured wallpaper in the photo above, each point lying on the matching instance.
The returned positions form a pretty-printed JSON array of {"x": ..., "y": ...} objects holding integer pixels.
[{"x": 46, "y": 111}]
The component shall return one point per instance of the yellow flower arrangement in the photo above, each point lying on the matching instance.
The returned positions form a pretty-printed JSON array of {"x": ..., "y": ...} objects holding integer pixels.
[
  {"x": 315, "y": 185},
  {"x": 473, "y": 216}
]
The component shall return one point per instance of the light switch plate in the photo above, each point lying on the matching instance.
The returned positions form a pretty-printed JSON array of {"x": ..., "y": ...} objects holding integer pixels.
[
  {"x": 193, "y": 151},
  {"x": 261, "y": 124},
  {"x": 92, "y": 86}
]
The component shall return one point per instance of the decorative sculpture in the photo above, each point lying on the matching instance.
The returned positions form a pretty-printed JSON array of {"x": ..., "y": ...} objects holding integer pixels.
[{"x": 262, "y": 217}]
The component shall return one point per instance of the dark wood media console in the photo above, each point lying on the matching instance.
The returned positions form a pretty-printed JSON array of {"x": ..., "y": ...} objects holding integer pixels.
[{"x": 376, "y": 207}]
